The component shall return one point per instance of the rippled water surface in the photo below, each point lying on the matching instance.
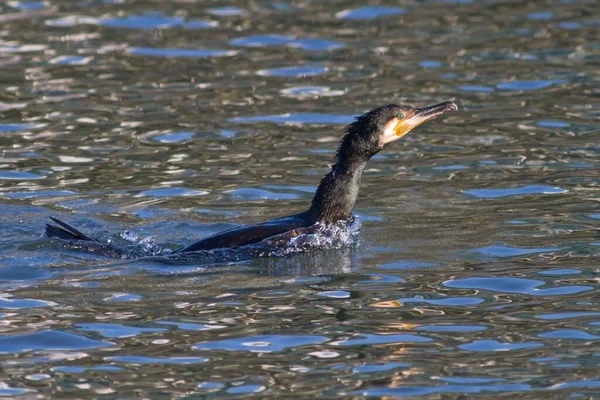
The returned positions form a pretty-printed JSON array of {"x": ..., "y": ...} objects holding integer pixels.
[{"x": 161, "y": 122}]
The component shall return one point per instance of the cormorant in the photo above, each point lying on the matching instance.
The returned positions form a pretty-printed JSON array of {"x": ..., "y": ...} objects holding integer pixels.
[{"x": 337, "y": 192}]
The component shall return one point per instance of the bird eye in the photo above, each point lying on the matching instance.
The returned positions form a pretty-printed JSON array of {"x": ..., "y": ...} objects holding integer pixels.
[{"x": 400, "y": 116}]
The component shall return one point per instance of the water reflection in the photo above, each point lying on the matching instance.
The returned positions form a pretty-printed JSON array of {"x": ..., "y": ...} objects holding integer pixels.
[
  {"x": 369, "y": 12},
  {"x": 150, "y": 20},
  {"x": 515, "y": 285},
  {"x": 261, "y": 344},
  {"x": 154, "y": 52},
  {"x": 318, "y": 262},
  {"x": 47, "y": 341},
  {"x": 308, "y": 44},
  {"x": 151, "y": 126}
]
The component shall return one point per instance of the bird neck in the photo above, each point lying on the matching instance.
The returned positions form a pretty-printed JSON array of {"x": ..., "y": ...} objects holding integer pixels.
[{"x": 336, "y": 195}]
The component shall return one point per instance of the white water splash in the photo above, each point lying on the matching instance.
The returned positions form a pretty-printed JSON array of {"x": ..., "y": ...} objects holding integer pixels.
[
  {"x": 141, "y": 247},
  {"x": 319, "y": 236}
]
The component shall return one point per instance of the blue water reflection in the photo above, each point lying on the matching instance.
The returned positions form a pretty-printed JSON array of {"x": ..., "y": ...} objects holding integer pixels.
[
  {"x": 42, "y": 193},
  {"x": 262, "y": 344},
  {"x": 366, "y": 338},
  {"x": 200, "y": 53},
  {"x": 429, "y": 390},
  {"x": 561, "y": 271},
  {"x": 16, "y": 127},
  {"x": 299, "y": 118},
  {"x": 116, "y": 330},
  {"x": 19, "y": 175},
  {"x": 173, "y": 192},
  {"x": 177, "y": 137},
  {"x": 12, "y": 303},
  {"x": 373, "y": 368},
  {"x": 157, "y": 360},
  {"x": 446, "y": 301},
  {"x": 528, "y": 85},
  {"x": 574, "y": 334},
  {"x": 509, "y": 251},
  {"x": 451, "y": 328},
  {"x": 569, "y": 315},
  {"x": 226, "y": 11},
  {"x": 369, "y": 12},
  {"x": 514, "y": 285},
  {"x": 309, "y": 44},
  {"x": 48, "y": 340},
  {"x": 494, "y": 345},
  {"x": 476, "y": 88},
  {"x": 149, "y": 20},
  {"x": 517, "y": 191},
  {"x": 299, "y": 71},
  {"x": 28, "y": 5}
]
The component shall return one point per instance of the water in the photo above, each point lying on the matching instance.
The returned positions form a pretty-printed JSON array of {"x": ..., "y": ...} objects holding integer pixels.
[{"x": 477, "y": 269}]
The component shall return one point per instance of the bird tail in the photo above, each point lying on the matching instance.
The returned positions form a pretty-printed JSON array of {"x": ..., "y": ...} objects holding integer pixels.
[{"x": 65, "y": 231}]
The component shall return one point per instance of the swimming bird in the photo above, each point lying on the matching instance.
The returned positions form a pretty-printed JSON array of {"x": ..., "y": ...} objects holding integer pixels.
[{"x": 335, "y": 197}]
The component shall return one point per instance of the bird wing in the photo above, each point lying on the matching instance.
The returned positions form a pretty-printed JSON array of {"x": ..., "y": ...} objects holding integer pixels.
[
  {"x": 65, "y": 231},
  {"x": 246, "y": 235}
]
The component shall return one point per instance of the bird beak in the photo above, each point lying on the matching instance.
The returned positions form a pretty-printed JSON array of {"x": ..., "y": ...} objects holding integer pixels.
[
  {"x": 434, "y": 111},
  {"x": 423, "y": 114}
]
